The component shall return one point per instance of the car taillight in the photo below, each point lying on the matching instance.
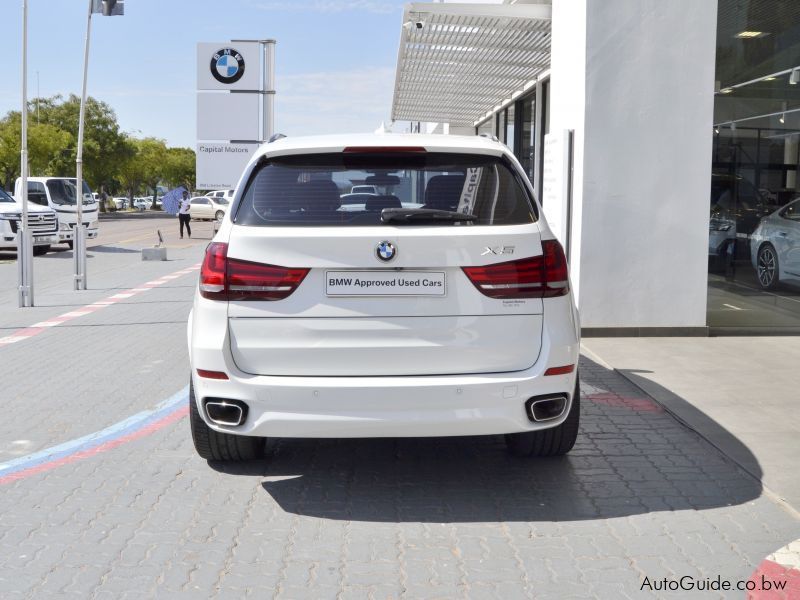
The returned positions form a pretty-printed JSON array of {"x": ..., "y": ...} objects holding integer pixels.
[
  {"x": 212, "y": 273},
  {"x": 223, "y": 278},
  {"x": 255, "y": 281},
  {"x": 542, "y": 276}
]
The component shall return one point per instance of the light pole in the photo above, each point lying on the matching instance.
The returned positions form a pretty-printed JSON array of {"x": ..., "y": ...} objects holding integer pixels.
[
  {"x": 107, "y": 8},
  {"x": 24, "y": 238}
]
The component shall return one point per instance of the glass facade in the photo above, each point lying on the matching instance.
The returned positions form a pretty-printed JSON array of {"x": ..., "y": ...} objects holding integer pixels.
[
  {"x": 522, "y": 126},
  {"x": 528, "y": 134},
  {"x": 754, "y": 241}
]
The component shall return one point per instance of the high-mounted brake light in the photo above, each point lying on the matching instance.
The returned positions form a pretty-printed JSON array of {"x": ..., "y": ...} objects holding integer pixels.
[
  {"x": 384, "y": 149},
  {"x": 223, "y": 278},
  {"x": 542, "y": 276}
]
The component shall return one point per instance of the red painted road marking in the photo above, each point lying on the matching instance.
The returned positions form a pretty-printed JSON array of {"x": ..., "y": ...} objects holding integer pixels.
[
  {"x": 110, "y": 445},
  {"x": 780, "y": 566},
  {"x": 37, "y": 328},
  {"x": 636, "y": 404}
]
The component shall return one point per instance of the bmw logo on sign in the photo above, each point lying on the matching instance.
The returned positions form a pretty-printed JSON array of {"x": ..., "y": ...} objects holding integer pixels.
[
  {"x": 227, "y": 65},
  {"x": 386, "y": 251}
]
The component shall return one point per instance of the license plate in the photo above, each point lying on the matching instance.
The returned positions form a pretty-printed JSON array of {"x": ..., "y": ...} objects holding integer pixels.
[{"x": 385, "y": 283}]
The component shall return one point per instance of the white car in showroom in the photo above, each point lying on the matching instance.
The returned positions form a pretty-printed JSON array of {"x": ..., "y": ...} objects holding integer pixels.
[
  {"x": 443, "y": 308},
  {"x": 775, "y": 247}
]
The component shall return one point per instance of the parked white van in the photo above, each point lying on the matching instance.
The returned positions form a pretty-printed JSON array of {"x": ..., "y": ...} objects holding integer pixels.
[
  {"x": 59, "y": 193},
  {"x": 41, "y": 220}
]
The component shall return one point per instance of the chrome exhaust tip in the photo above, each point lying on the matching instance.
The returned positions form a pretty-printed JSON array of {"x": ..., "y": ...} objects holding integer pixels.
[
  {"x": 546, "y": 408},
  {"x": 228, "y": 413}
]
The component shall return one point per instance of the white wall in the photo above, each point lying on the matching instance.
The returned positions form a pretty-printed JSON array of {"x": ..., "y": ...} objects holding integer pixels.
[{"x": 635, "y": 80}]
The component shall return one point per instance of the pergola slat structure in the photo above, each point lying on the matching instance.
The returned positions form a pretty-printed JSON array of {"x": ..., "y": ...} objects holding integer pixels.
[{"x": 466, "y": 59}]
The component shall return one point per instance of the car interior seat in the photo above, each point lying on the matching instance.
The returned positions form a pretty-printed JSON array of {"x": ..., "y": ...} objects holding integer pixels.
[{"x": 443, "y": 192}]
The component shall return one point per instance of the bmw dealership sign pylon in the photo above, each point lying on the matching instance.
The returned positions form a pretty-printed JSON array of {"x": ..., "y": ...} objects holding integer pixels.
[{"x": 230, "y": 126}]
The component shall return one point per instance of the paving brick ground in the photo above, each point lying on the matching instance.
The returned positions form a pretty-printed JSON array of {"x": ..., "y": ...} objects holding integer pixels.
[{"x": 640, "y": 495}]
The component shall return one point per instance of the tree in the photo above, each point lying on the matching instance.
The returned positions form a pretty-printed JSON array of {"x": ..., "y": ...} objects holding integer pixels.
[
  {"x": 45, "y": 148},
  {"x": 104, "y": 145},
  {"x": 110, "y": 157},
  {"x": 180, "y": 168},
  {"x": 145, "y": 164}
]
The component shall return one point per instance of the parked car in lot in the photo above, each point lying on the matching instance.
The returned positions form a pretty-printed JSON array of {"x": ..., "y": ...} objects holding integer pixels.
[
  {"x": 449, "y": 318},
  {"x": 61, "y": 195},
  {"x": 207, "y": 207},
  {"x": 775, "y": 247},
  {"x": 42, "y": 221},
  {"x": 364, "y": 189},
  {"x": 224, "y": 194},
  {"x": 142, "y": 203},
  {"x": 121, "y": 202}
]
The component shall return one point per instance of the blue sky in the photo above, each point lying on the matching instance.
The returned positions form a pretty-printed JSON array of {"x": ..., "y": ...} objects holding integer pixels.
[{"x": 334, "y": 73}]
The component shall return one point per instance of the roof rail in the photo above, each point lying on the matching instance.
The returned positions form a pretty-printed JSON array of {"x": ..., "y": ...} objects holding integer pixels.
[
  {"x": 275, "y": 137},
  {"x": 491, "y": 136}
]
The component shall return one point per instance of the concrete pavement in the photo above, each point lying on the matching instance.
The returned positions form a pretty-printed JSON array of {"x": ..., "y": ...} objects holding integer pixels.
[
  {"x": 740, "y": 393},
  {"x": 117, "y": 504}
]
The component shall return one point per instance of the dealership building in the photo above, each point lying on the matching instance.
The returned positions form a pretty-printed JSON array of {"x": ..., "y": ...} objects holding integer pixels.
[{"x": 660, "y": 136}]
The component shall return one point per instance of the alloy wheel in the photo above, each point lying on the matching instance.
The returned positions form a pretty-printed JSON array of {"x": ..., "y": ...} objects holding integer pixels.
[{"x": 766, "y": 266}]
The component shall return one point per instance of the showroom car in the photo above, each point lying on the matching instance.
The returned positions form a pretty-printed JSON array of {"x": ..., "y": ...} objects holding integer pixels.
[
  {"x": 736, "y": 209},
  {"x": 775, "y": 247},
  {"x": 444, "y": 310}
]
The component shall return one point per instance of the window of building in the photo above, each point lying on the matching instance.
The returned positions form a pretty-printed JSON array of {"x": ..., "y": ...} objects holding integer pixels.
[
  {"x": 528, "y": 134},
  {"x": 508, "y": 137},
  {"x": 755, "y": 160}
]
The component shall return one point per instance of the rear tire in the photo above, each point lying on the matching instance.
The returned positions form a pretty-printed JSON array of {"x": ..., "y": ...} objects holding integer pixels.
[
  {"x": 70, "y": 244},
  {"x": 555, "y": 441},
  {"x": 768, "y": 267},
  {"x": 213, "y": 445}
]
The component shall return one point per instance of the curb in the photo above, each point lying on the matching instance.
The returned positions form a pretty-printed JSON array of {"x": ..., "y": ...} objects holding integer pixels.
[{"x": 123, "y": 216}]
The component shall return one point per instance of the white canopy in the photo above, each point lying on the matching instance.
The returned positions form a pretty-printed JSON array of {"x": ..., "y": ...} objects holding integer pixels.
[{"x": 459, "y": 61}]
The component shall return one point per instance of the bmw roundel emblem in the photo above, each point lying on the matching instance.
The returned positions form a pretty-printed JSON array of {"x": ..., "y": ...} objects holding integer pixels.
[
  {"x": 386, "y": 251},
  {"x": 227, "y": 65}
]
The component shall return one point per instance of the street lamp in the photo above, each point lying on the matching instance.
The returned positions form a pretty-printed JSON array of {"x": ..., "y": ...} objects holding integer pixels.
[
  {"x": 24, "y": 237},
  {"x": 107, "y": 8}
]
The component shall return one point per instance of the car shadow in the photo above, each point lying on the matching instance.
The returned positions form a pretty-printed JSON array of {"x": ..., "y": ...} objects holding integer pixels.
[{"x": 632, "y": 457}]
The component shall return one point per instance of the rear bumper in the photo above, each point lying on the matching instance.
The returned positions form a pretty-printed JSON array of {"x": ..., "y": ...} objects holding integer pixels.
[
  {"x": 385, "y": 406},
  {"x": 390, "y": 406}
]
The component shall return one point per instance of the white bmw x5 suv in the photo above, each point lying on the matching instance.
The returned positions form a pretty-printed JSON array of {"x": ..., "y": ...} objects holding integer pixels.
[{"x": 441, "y": 307}]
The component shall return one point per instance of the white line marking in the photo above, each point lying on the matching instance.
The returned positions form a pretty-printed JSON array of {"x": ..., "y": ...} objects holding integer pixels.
[{"x": 732, "y": 306}]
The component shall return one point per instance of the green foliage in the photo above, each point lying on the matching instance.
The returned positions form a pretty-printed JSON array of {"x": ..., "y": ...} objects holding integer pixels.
[
  {"x": 180, "y": 168},
  {"x": 111, "y": 158},
  {"x": 45, "y": 143}
]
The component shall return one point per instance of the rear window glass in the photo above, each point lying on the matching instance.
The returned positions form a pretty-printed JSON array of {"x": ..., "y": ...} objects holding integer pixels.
[{"x": 318, "y": 189}]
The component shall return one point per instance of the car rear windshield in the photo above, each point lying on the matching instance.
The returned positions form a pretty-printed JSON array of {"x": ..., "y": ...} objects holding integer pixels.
[{"x": 315, "y": 190}]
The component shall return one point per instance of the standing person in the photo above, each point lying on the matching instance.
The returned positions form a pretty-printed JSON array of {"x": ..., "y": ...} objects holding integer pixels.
[
  {"x": 103, "y": 198},
  {"x": 183, "y": 213}
]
